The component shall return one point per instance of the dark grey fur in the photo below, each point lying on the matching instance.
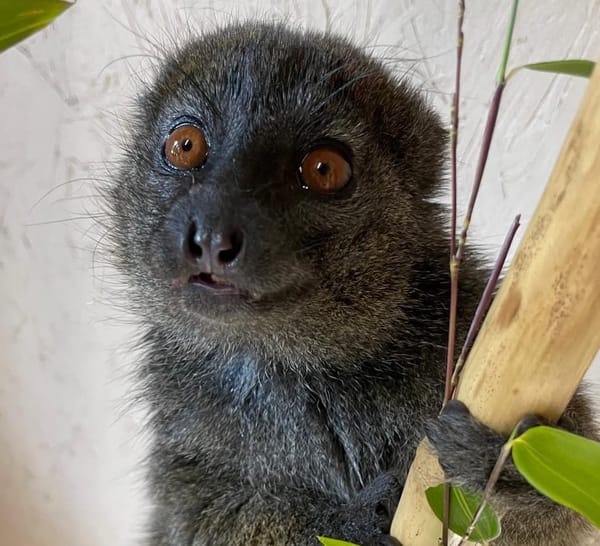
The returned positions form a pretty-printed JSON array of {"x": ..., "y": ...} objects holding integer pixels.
[{"x": 296, "y": 412}]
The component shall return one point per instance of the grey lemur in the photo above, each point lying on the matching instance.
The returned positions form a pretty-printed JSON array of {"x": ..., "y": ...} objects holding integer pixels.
[{"x": 274, "y": 216}]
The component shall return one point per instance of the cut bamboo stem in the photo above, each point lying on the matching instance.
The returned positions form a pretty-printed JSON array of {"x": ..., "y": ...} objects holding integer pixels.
[{"x": 543, "y": 329}]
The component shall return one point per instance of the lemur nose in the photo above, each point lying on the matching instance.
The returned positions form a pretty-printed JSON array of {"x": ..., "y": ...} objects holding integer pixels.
[{"x": 213, "y": 250}]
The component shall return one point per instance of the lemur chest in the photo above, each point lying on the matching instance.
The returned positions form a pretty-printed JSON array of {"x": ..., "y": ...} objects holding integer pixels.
[
  {"x": 281, "y": 433},
  {"x": 292, "y": 438}
]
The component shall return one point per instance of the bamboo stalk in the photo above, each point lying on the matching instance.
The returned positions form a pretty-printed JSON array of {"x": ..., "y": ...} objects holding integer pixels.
[{"x": 543, "y": 329}]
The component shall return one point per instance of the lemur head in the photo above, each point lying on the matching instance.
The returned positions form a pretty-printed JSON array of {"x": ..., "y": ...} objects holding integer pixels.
[{"x": 274, "y": 192}]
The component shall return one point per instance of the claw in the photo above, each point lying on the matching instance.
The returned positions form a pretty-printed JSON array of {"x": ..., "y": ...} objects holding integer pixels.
[
  {"x": 456, "y": 408},
  {"x": 529, "y": 421}
]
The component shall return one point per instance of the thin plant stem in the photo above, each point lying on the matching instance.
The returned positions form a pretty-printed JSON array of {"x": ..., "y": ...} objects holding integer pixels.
[
  {"x": 456, "y": 258},
  {"x": 454, "y": 208},
  {"x": 489, "y": 129},
  {"x": 491, "y": 483},
  {"x": 454, "y": 129},
  {"x": 488, "y": 133},
  {"x": 485, "y": 301},
  {"x": 446, "y": 514},
  {"x": 454, "y": 269}
]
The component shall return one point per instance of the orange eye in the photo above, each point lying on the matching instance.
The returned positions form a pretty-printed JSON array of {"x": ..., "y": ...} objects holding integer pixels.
[
  {"x": 186, "y": 147},
  {"x": 325, "y": 170}
]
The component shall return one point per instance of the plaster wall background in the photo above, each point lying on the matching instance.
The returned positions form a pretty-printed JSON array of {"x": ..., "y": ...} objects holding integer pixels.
[{"x": 69, "y": 443}]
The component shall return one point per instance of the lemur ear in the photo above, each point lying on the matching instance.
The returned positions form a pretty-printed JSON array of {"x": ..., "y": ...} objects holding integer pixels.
[{"x": 408, "y": 129}]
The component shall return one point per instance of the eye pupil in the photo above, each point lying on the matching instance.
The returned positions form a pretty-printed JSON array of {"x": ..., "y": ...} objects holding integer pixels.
[
  {"x": 323, "y": 168},
  {"x": 187, "y": 145}
]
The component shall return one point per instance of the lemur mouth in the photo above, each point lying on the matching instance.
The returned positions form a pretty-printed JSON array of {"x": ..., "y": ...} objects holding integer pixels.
[{"x": 214, "y": 283}]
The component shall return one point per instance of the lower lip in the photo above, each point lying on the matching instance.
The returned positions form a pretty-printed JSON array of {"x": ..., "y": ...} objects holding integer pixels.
[
  {"x": 213, "y": 288},
  {"x": 217, "y": 289}
]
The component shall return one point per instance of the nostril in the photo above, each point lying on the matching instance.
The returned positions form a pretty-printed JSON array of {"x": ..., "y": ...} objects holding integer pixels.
[
  {"x": 231, "y": 247},
  {"x": 194, "y": 241},
  {"x": 210, "y": 249}
]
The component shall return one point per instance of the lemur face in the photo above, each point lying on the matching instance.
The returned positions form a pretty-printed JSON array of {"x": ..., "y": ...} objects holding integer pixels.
[{"x": 271, "y": 185}]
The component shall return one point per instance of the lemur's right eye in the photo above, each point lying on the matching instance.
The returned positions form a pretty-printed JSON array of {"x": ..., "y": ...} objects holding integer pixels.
[
  {"x": 186, "y": 147},
  {"x": 325, "y": 170}
]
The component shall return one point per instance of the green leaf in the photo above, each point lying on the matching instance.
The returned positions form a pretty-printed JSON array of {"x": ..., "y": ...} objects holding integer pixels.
[
  {"x": 501, "y": 76},
  {"x": 334, "y": 542},
  {"x": 462, "y": 509},
  {"x": 20, "y": 18},
  {"x": 562, "y": 466},
  {"x": 570, "y": 67}
]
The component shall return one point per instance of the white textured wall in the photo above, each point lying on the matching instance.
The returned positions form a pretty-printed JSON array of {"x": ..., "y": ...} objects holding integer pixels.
[{"x": 68, "y": 444}]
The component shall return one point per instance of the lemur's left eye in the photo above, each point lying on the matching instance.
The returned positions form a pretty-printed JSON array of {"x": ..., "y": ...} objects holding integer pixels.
[
  {"x": 186, "y": 147},
  {"x": 325, "y": 170}
]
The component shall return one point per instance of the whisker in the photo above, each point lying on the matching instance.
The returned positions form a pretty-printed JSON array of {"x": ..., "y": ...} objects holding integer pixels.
[
  {"x": 126, "y": 58},
  {"x": 61, "y": 221},
  {"x": 62, "y": 185},
  {"x": 345, "y": 86}
]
